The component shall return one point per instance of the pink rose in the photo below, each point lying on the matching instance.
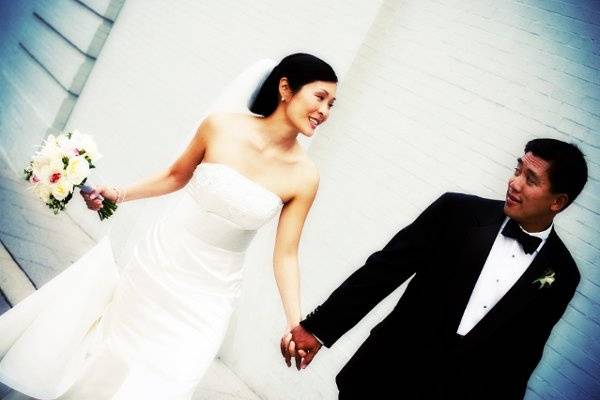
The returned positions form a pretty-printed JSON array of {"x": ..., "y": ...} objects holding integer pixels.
[{"x": 54, "y": 177}]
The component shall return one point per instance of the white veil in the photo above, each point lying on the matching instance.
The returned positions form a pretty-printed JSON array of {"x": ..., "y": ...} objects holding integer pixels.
[{"x": 138, "y": 217}]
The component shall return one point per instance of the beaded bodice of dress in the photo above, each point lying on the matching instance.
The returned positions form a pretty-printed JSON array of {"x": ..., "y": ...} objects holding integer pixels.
[
  {"x": 222, "y": 190},
  {"x": 222, "y": 207}
]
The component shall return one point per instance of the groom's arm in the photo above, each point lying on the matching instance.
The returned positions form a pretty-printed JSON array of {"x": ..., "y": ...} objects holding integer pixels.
[{"x": 381, "y": 274}]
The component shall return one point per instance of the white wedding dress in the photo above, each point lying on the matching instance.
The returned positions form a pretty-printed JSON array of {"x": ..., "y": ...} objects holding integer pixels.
[{"x": 151, "y": 331}]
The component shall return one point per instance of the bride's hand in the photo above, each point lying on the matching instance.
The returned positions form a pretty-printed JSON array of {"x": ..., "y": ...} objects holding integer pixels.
[
  {"x": 287, "y": 347},
  {"x": 93, "y": 199}
]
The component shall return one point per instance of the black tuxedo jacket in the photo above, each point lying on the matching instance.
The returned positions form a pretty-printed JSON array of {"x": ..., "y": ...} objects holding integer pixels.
[{"x": 414, "y": 353}]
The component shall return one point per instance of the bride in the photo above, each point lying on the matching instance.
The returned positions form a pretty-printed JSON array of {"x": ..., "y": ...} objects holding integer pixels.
[{"x": 152, "y": 332}]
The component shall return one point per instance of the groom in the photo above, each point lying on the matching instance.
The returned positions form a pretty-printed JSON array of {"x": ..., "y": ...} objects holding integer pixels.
[{"x": 491, "y": 280}]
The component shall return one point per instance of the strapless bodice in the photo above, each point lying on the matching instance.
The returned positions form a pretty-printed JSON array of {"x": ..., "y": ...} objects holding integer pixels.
[
  {"x": 220, "y": 207},
  {"x": 221, "y": 190}
]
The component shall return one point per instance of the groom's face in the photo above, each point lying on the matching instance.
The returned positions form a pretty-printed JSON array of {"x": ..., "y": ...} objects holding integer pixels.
[{"x": 529, "y": 198}]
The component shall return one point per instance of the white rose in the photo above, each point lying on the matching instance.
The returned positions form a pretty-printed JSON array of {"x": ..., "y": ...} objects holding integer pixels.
[
  {"x": 42, "y": 191},
  {"x": 40, "y": 158},
  {"x": 88, "y": 144},
  {"x": 75, "y": 134},
  {"x": 72, "y": 146},
  {"x": 57, "y": 166},
  {"x": 51, "y": 140},
  {"x": 37, "y": 165},
  {"x": 50, "y": 146},
  {"x": 49, "y": 152},
  {"x": 44, "y": 174},
  {"x": 61, "y": 189},
  {"x": 77, "y": 140},
  {"x": 63, "y": 141},
  {"x": 47, "y": 172},
  {"x": 77, "y": 170}
]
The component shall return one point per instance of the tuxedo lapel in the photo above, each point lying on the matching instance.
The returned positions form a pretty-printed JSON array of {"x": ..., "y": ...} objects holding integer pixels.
[
  {"x": 477, "y": 245},
  {"x": 521, "y": 293}
]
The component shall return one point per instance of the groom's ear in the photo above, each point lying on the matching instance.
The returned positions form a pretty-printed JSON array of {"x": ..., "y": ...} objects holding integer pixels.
[{"x": 284, "y": 89}]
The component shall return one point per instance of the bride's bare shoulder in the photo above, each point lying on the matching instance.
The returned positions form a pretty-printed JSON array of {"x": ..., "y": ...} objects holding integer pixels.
[
  {"x": 306, "y": 175},
  {"x": 224, "y": 124}
]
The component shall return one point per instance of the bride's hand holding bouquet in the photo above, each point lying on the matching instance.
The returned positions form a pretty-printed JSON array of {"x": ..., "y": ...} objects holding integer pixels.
[
  {"x": 95, "y": 198},
  {"x": 62, "y": 164}
]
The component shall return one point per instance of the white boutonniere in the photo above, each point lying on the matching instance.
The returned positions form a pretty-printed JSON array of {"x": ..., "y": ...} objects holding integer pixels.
[{"x": 546, "y": 280}]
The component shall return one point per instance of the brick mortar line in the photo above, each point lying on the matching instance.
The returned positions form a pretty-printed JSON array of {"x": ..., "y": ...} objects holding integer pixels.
[
  {"x": 6, "y": 300},
  {"x": 50, "y": 74},
  {"x": 38, "y": 17},
  {"x": 96, "y": 13}
]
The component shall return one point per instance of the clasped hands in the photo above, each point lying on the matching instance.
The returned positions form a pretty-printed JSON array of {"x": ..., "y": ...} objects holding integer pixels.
[{"x": 299, "y": 344}]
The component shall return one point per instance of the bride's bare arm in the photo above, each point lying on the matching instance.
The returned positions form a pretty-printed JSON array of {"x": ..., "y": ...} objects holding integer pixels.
[
  {"x": 171, "y": 179},
  {"x": 285, "y": 257}
]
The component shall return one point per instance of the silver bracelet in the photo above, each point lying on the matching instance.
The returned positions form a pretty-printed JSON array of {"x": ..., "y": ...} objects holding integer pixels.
[{"x": 120, "y": 195}]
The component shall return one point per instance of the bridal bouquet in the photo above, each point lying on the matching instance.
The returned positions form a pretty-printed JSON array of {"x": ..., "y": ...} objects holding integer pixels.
[{"x": 62, "y": 164}]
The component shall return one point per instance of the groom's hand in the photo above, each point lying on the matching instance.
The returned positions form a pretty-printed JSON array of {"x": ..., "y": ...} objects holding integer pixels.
[{"x": 303, "y": 347}]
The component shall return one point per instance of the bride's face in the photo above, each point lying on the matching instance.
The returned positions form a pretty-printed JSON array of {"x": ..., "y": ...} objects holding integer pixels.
[{"x": 311, "y": 105}]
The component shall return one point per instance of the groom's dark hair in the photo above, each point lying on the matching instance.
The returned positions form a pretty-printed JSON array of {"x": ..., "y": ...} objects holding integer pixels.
[
  {"x": 299, "y": 69},
  {"x": 568, "y": 170}
]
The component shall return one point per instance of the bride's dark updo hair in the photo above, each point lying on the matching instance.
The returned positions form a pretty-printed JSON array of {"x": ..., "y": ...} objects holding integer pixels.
[{"x": 299, "y": 69}]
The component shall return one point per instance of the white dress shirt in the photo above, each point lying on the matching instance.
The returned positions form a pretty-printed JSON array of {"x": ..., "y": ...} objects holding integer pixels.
[{"x": 504, "y": 266}]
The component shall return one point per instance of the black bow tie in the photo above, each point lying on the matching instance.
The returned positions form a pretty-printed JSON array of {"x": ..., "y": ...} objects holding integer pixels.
[{"x": 528, "y": 242}]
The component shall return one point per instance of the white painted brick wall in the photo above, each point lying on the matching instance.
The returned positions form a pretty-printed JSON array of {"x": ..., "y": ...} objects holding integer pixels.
[
  {"x": 107, "y": 8},
  {"x": 442, "y": 97},
  {"x": 63, "y": 61},
  {"x": 87, "y": 34}
]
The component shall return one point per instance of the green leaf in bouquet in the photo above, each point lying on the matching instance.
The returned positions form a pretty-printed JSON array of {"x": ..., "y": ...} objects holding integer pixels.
[
  {"x": 28, "y": 173},
  {"x": 107, "y": 210},
  {"x": 89, "y": 160},
  {"x": 66, "y": 199}
]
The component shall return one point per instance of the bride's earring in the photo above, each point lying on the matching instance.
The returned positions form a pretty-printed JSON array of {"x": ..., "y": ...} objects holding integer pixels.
[{"x": 282, "y": 99}]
